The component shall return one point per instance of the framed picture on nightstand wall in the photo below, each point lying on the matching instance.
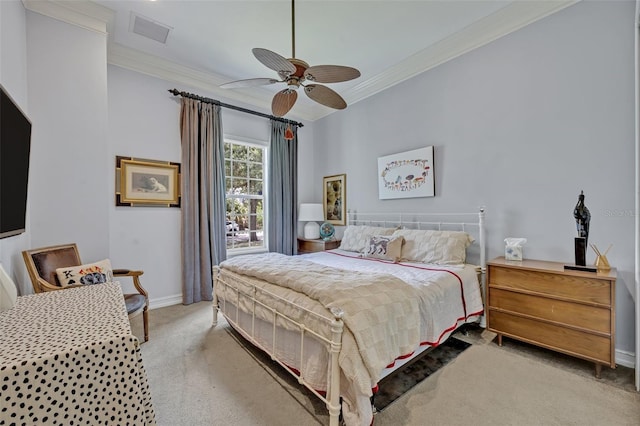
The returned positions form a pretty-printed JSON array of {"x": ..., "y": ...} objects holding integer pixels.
[{"x": 335, "y": 199}]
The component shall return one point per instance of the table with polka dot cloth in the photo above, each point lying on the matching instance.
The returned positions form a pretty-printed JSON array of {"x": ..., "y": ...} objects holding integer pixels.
[{"x": 68, "y": 357}]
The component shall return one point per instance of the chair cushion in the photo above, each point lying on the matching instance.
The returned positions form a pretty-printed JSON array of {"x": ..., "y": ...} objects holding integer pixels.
[
  {"x": 90, "y": 273},
  {"x": 134, "y": 302}
]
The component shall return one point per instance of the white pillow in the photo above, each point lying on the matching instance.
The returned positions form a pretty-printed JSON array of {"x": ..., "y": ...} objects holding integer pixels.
[
  {"x": 356, "y": 237},
  {"x": 8, "y": 291},
  {"x": 437, "y": 247},
  {"x": 387, "y": 247},
  {"x": 90, "y": 273}
]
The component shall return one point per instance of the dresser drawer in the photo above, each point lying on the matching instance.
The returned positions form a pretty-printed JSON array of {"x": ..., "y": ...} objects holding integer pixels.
[
  {"x": 570, "y": 341},
  {"x": 578, "y": 288},
  {"x": 590, "y": 318}
]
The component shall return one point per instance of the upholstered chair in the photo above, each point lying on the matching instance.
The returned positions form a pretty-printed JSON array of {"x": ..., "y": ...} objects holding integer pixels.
[{"x": 42, "y": 264}]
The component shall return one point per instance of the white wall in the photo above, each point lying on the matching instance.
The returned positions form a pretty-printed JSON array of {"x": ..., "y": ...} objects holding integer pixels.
[
  {"x": 69, "y": 187},
  {"x": 13, "y": 77},
  {"x": 520, "y": 126},
  {"x": 144, "y": 122}
]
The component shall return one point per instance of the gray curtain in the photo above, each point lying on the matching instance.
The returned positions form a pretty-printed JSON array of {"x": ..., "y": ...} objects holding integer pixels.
[
  {"x": 203, "y": 198},
  {"x": 283, "y": 190}
]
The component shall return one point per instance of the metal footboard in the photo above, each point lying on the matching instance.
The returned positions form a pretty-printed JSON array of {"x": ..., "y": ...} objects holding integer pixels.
[{"x": 251, "y": 293}]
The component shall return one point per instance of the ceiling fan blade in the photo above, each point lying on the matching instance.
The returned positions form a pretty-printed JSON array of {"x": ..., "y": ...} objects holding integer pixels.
[
  {"x": 330, "y": 73},
  {"x": 250, "y": 82},
  {"x": 283, "y": 101},
  {"x": 325, "y": 96},
  {"x": 272, "y": 60}
]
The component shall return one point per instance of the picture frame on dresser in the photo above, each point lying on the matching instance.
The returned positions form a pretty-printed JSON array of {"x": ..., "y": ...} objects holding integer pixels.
[{"x": 335, "y": 199}]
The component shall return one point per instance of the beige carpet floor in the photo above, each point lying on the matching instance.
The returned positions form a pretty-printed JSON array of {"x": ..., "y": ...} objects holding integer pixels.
[{"x": 201, "y": 375}]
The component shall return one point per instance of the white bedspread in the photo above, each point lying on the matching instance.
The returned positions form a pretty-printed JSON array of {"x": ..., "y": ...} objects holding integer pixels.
[
  {"x": 380, "y": 310},
  {"x": 390, "y": 309},
  {"x": 448, "y": 294}
]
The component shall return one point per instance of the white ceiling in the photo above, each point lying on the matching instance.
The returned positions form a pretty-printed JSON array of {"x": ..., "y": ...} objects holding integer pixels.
[{"x": 210, "y": 41}]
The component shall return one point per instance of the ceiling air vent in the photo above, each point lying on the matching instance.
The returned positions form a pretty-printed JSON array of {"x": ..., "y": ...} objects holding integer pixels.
[{"x": 149, "y": 28}]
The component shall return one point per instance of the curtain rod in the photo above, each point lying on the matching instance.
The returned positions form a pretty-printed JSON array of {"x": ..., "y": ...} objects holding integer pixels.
[{"x": 176, "y": 92}]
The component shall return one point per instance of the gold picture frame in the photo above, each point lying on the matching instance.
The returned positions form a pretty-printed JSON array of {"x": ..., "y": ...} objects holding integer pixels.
[
  {"x": 334, "y": 190},
  {"x": 144, "y": 182}
]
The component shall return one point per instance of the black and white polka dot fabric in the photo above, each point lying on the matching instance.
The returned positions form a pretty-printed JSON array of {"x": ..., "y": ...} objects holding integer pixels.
[{"x": 68, "y": 357}]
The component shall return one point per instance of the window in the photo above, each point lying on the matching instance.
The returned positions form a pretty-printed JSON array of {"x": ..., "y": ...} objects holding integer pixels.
[{"x": 244, "y": 171}]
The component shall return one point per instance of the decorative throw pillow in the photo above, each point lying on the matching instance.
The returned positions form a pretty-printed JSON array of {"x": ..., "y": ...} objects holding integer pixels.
[
  {"x": 385, "y": 247},
  {"x": 90, "y": 273},
  {"x": 356, "y": 237},
  {"x": 438, "y": 247}
]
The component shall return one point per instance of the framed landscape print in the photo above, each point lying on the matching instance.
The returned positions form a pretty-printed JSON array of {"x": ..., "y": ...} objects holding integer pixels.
[
  {"x": 142, "y": 182},
  {"x": 335, "y": 199},
  {"x": 406, "y": 175}
]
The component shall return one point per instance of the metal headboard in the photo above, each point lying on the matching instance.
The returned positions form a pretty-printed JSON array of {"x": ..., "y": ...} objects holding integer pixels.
[{"x": 472, "y": 223}]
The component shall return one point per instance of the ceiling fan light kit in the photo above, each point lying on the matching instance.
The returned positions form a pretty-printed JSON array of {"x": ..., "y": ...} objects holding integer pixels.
[{"x": 294, "y": 72}]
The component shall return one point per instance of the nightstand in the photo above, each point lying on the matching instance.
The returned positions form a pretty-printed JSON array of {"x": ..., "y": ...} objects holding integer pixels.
[
  {"x": 542, "y": 303},
  {"x": 311, "y": 246}
]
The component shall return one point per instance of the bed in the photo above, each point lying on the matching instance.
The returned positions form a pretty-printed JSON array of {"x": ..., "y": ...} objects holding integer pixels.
[{"x": 343, "y": 319}]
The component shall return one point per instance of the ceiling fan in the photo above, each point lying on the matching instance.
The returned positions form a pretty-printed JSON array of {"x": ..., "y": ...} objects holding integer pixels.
[{"x": 294, "y": 72}]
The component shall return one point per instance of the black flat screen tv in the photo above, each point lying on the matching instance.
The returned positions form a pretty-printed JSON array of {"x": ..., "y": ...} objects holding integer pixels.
[{"x": 15, "y": 145}]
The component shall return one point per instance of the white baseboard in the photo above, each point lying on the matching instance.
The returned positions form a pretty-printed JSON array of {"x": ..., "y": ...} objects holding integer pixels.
[
  {"x": 626, "y": 359},
  {"x": 162, "y": 302}
]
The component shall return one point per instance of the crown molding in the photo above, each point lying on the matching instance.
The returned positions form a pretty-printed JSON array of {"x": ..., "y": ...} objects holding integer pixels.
[
  {"x": 84, "y": 14},
  {"x": 92, "y": 16},
  {"x": 164, "y": 69},
  {"x": 510, "y": 18}
]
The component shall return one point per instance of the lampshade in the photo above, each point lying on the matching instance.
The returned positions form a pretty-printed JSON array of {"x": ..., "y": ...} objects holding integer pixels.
[{"x": 311, "y": 213}]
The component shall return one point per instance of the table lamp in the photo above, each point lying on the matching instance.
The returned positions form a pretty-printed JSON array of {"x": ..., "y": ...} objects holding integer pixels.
[{"x": 311, "y": 213}]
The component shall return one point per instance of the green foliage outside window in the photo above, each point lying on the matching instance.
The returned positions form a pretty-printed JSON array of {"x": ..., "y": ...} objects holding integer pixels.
[{"x": 244, "y": 171}]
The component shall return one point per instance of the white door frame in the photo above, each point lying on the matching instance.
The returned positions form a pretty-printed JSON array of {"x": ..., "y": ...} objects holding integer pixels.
[{"x": 637, "y": 201}]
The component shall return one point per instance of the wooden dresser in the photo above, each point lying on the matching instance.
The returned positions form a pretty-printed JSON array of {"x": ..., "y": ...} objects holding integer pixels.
[
  {"x": 311, "y": 246},
  {"x": 541, "y": 303}
]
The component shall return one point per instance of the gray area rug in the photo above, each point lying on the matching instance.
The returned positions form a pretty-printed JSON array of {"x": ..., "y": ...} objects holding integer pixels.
[
  {"x": 391, "y": 387},
  {"x": 399, "y": 382}
]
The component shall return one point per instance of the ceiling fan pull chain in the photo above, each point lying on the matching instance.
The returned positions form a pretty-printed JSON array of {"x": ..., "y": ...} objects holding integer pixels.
[
  {"x": 293, "y": 29},
  {"x": 288, "y": 133}
]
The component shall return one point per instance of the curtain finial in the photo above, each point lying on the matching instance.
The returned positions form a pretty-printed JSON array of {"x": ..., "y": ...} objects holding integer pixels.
[{"x": 288, "y": 133}]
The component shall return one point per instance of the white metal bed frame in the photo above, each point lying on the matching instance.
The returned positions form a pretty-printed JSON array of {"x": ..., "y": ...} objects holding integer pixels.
[{"x": 334, "y": 344}]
